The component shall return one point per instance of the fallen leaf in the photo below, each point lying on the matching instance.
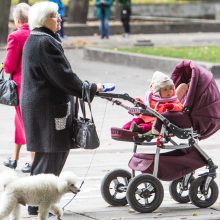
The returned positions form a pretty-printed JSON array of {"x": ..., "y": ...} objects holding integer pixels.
[
  {"x": 195, "y": 213},
  {"x": 131, "y": 210}
]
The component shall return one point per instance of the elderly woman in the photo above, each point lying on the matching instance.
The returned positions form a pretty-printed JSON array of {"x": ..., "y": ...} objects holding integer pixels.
[
  {"x": 12, "y": 65},
  {"x": 47, "y": 86}
]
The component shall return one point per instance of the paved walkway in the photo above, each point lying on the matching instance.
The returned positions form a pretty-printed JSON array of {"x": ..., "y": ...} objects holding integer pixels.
[{"x": 93, "y": 165}]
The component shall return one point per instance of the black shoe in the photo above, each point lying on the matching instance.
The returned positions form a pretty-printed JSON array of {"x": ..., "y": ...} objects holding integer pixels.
[
  {"x": 26, "y": 168},
  {"x": 135, "y": 128},
  {"x": 50, "y": 215},
  {"x": 32, "y": 210},
  {"x": 10, "y": 163}
]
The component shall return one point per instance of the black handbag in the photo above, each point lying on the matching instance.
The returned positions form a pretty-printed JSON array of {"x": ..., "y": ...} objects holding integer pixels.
[
  {"x": 8, "y": 91},
  {"x": 85, "y": 133}
]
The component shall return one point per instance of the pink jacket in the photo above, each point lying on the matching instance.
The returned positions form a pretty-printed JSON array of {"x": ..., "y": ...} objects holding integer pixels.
[
  {"x": 160, "y": 108},
  {"x": 12, "y": 63}
]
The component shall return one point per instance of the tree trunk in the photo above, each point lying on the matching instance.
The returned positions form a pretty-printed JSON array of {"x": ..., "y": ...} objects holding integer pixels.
[
  {"x": 25, "y": 1},
  {"x": 4, "y": 19},
  {"x": 78, "y": 11},
  {"x": 117, "y": 10}
]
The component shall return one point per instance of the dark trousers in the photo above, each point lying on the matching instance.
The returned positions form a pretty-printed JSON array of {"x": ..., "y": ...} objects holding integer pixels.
[
  {"x": 104, "y": 27},
  {"x": 47, "y": 163},
  {"x": 126, "y": 25},
  {"x": 125, "y": 19}
]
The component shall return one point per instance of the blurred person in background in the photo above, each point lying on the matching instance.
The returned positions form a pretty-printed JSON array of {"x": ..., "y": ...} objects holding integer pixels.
[
  {"x": 103, "y": 13},
  {"x": 125, "y": 12}
]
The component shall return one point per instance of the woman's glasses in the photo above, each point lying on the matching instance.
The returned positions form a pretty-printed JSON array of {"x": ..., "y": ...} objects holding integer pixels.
[{"x": 57, "y": 16}]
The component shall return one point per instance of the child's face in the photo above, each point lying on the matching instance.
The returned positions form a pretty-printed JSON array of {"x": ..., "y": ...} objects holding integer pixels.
[{"x": 167, "y": 92}]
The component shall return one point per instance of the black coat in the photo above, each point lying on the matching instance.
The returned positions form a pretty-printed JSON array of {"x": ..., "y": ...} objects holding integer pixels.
[{"x": 47, "y": 86}]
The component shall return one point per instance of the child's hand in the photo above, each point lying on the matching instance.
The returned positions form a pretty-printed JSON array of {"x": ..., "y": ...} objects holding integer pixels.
[
  {"x": 168, "y": 106},
  {"x": 139, "y": 100}
]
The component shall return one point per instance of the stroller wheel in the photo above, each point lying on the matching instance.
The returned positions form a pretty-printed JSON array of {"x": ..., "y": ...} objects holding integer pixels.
[
  {"x": 177, "y": 192},
  {"x": 145, "y": 193},
  {"x": 198, "y": 197},
  {"x": 114, "y": 187}
]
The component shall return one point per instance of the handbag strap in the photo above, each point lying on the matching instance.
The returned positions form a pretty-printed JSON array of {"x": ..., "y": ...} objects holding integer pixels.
[
  {"x": 86, "y": 95},
  {"x": 76, "y": 107},
  {"x": 2, "y": 73},
  {"x": 81, "y": 102}
]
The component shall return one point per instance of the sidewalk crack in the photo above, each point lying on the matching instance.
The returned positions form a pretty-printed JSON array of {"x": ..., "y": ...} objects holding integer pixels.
[{"x": 83, "y": 214}]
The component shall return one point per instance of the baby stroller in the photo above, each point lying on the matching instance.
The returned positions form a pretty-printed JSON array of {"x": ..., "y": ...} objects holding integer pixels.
[{"x": 199, "y": 120}]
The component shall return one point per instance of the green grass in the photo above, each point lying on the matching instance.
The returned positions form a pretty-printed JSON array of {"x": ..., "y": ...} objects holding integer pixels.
[
  {"x": 207, "y": 53},
  {"x": 160, "y": 1}
]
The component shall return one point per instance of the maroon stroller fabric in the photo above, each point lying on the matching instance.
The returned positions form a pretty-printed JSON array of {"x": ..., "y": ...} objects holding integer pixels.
[
  {"x": 203, "y": 101},
  {"x": 203, "y": 97}
]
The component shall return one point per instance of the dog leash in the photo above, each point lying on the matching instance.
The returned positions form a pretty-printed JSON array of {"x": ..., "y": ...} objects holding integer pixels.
[
  {"x": 92, "y": 158},
  {"x": 72, "y": 197}
]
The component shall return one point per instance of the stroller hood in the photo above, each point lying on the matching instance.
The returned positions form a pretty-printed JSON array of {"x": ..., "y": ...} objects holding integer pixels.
[{"x": 203, "y": 97}]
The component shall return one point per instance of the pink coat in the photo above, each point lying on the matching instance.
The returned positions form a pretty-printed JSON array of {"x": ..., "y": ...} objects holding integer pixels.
[
  {"x": 12, "y": 65},
  {"x": 159, "y": 107}
]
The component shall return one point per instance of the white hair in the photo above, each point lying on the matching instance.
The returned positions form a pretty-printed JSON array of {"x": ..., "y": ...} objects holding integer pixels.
[
  {"x": 39, "y": 12},
  {"x": 21, "y": 12}
]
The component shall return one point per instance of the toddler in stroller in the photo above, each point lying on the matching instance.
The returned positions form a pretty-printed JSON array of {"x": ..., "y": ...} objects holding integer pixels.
[
  {"x": 199, "y": 119},
  {"x": 161, "y": 97}
]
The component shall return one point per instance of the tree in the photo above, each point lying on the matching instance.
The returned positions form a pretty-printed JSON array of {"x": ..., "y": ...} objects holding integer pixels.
[
  {"x": 5, "y": 6},
  {"x": 117, "y": 9},
  {"x": 78, "y": 11}
]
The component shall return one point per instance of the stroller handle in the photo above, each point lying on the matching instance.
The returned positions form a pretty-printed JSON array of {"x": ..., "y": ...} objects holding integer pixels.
[
  {"x": 146, "y": 109},
  {"x": 124, "y": 96}
]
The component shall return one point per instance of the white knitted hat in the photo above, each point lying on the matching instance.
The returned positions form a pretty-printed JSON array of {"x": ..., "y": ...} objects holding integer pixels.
[{"x": 160, "y": 80}]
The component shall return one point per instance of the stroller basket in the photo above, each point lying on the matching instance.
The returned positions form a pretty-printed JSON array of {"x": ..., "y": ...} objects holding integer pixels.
[{"x": 173, "y": 165}]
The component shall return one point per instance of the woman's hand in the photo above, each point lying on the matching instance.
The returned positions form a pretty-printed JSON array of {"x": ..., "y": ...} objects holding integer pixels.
[{"x": 99, "y": 87}]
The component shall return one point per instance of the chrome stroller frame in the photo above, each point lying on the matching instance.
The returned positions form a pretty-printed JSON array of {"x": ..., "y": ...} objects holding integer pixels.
[{"x": 204, "y": 184}]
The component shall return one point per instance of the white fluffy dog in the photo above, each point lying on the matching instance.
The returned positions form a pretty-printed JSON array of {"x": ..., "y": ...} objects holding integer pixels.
[{"x": 43, "y": 190}]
